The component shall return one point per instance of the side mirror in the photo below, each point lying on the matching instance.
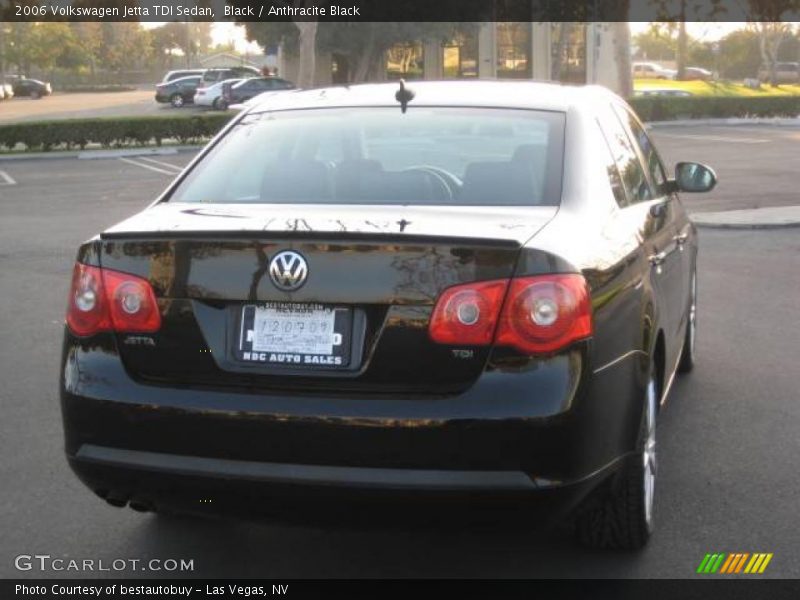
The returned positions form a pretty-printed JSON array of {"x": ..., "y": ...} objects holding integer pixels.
[{"x": 694, "y": 177}]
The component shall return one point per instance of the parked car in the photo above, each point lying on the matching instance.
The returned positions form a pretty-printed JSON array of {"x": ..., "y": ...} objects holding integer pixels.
[
  {"x": 697, "y": 74},
  {"x": 6, "y": 91},
  {"x": 210, "y": 96},
  {"x": 360, "y": 292},
  {"x": 211, "y": 76},
  {"x": 250, "y": 88},
  {"x": 785, "y": 72},
  {"x": 179, "y": 74},
  {"x": 31, "y": 87},
  {"x": 178, "y": 91},
  {"x": 650, "y": 70}
]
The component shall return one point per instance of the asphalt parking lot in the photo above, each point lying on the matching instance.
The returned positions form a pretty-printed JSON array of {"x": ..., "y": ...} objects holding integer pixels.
[
  {"x": 728, "y": 438},
  {"x": 757, "y": 165},
  {"x": 138, "y": 102}
]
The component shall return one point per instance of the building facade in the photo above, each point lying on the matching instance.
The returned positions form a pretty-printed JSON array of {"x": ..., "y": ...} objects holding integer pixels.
[{"x": 569, "y": 52}]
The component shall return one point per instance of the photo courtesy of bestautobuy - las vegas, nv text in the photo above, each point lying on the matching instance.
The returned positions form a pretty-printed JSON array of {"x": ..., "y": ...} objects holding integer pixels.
[{"x": 338, "y": 298}]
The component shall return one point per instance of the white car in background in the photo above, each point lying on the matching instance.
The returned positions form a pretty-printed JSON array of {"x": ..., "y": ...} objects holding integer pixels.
[
  {"x": 651, "y": 70},
  {"x": 210, "y": 96}
]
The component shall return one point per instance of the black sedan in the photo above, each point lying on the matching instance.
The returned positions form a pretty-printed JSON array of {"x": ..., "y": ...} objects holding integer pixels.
[
  {"x": 31, "y": 87},
  {"x": 178, "y": 91},
  {"x": 471, "y": 290},
  {"x": 247, "y": 89}
]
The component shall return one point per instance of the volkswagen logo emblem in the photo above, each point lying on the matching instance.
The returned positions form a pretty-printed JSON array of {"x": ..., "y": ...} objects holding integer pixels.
[{"x": 288, "y": 270}]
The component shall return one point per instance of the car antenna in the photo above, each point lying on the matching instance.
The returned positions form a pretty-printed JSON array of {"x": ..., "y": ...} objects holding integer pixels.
[{"x": 404, "y": 95}]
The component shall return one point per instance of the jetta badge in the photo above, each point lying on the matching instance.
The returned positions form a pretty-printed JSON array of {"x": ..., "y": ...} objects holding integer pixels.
[{"x": 288, "y": 270}]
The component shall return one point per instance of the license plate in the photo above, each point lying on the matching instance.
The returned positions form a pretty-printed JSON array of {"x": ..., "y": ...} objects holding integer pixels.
[{"x": 291, "y": 334}]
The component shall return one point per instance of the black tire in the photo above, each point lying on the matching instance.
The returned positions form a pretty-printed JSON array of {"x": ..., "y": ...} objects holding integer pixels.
[
  {"x": 35, "y": 95},
  {"x": 623, "y": 518},
  {"x": 215, "y": 104},
  {"x": 688, "y": 352},
  {"x": 176, "y": 100},
  {"x": 222, "y": 104}
]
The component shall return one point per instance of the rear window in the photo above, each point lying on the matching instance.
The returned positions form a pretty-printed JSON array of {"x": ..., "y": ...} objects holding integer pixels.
[{"x": 381, "y": 156}]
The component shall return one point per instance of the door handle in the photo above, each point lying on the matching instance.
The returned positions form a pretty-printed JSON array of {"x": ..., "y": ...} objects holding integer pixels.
[{"x": 657, "y": 259}]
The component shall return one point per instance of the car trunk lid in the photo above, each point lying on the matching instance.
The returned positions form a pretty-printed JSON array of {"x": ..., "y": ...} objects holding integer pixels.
[{"x": 383, "y": 267}]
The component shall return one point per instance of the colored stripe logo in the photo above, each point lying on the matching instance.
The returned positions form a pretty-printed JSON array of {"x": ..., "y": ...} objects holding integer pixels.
[{"x": 734, "y": 563}]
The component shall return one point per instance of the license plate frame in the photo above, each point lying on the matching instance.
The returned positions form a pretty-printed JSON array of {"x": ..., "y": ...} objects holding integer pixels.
[{"x": 294, "y": 345}]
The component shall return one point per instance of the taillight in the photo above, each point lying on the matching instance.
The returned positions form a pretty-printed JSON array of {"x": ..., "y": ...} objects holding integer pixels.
[
  {"x": 545, "y": 313},
  {"x": 467, "y": 314},
  {"x": 87, "y": 312},
  {"x": 106, "y": 300},
  {"x": 540, "y": 314}
]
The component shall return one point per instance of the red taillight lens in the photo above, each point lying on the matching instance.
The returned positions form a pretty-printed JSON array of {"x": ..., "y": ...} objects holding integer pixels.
[
  {"x": 87, "y": 312},
  {"x": 545, "y": 313},
  {"x": 132, "y": 303},
  {"x": 467, "y": 314},
  {"x": 541, "y": 314},
  {"x": 105, "y": 300}
]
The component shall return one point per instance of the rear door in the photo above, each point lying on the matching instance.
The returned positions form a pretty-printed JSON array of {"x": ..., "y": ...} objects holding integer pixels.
[
  {"x": 677, "y": 224},
  {"x": 650, "y": 212}
]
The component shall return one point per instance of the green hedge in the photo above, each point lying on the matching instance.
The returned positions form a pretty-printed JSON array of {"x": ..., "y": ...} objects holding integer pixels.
[
  {"x": 666, "y": 108},
  {"x": 110, "y": 132}
]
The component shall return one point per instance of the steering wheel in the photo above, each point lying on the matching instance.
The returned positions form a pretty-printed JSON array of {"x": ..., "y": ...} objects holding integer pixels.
[{"x": 448, "y": 182}]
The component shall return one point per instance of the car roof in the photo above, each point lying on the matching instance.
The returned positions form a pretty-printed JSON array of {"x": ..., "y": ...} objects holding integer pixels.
[
  {"x": 478, "y": 93},
  {"x": 185, "y": 78}
]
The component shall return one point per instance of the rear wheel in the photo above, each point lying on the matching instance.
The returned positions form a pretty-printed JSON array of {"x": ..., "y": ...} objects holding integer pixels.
[
  {"x": 222, "y": 104},
  {"x": 623, "y": 520},
  {"x": 176, "y": 100},
  {"x": 215, "y": 104},
  {"x": 35, "y": 95},
  {"x": 688, "y": 352}
]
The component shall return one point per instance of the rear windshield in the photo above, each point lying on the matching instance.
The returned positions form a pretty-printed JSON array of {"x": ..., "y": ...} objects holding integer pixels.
[{"x": 381, "y": 156}]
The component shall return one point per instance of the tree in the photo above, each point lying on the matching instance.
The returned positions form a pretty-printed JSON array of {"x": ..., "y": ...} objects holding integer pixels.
[
  {"x": 765, "y": 18},
  {"x": 361, "y": 46},
  {"x": 657, "y": 42},
  {"x": 622, "y": 35},
  {"x": 303, "y": 35},
  {"x": 739, "y": 54},
  {"x": 19, "y": 45},
  {"x": 89, "y": 40},
  {"x": 770, "y": 38},
  {"x": 163, "y": 40}
]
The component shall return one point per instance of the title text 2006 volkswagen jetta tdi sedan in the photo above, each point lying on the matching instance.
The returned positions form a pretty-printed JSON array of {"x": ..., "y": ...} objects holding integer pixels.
[{"x": 466, "y": 289}]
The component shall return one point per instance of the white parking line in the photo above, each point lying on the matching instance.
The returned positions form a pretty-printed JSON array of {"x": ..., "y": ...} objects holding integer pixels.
[
  {"x": 8, "y": 180},
  {"x": 177, "y": 168},
  {"x": 146, "y": 166},
  {"x": 715, "y": 138}
]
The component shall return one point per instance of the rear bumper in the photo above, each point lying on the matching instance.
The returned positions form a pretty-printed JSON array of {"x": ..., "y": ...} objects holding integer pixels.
[
  {"x": 552, "y": 431},
  {"x": 310, "y": 475},
  {"x": 204, "y": 100}
]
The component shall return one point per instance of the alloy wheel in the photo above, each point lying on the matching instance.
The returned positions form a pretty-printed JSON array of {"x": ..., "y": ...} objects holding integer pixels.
[{"x": 649, "y": 451}]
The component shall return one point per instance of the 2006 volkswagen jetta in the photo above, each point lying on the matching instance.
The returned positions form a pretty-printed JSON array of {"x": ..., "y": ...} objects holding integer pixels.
[{"x": 475, "y": 288}]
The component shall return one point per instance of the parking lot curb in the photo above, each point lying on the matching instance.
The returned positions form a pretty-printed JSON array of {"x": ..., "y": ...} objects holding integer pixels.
[
  {"x": 774, "y": 217},
  {"x": 707, "y": 225},
  {"x": 122, "y": 152},
  {"x": 96, "y": 154},
  {"x": 778, "y": 122}
]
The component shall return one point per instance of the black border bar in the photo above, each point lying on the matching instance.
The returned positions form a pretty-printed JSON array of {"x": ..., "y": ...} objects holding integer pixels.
[
  {"x": 650, "y": 589},
  {"x": 399, "y": 10}
]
